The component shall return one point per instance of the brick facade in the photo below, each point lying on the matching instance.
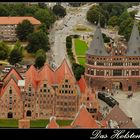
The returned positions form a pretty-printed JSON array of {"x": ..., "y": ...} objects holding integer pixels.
[{"x": 118, "y": 69}]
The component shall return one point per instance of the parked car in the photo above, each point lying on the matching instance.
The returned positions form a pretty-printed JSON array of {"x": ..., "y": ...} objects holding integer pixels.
[
  {"x": 102, "y": 96},
  {"x": 107, "y": 99},
  {"x": 111, "y": 101}
]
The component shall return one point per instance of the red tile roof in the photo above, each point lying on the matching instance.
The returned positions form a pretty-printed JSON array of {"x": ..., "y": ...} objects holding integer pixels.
[
  {"x": 116, "y": 114},
  {"x": 52, "y": 123},
  {"x": 17, "y": 20},
  {"x": 46, "y": 73},
  {"x": 82, "y": 84},
  {"x": 10, "y": 73},
  {"x": 62, "y": 71},
  {"x": 31, "y": 77},
  {"x": 13, "y": 84},
  {"x": 84, "y": 119}
]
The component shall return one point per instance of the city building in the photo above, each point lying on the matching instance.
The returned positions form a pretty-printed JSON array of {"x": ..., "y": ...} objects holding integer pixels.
[
  {"x": 8, "y": 26},
  {"x": 42, "y": 93},
  {"x": 117, "y": 69}
]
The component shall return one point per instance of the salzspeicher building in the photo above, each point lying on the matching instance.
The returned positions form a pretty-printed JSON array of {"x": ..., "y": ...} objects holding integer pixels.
[
  {"x": 43, "y": 93},
  {"x": 119, "y": 69}
]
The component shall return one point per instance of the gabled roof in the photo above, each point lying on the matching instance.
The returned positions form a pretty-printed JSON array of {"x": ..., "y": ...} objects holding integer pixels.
[
  {"x": 31, "y": 76},
  {"x": 52, "y": 123},
  {"x": 134, "y": 42},
  {"x": 97, "y": 47},
  {"x": 16, "y": 20},
  {"x": 84, "y": 119},
  {"x": 62, "y": 71},
  {"x": 82, "y": 84},
  {"x": 13, "y": 84},
  {"x": 116, "y": 114},
  {"x": 46, "y": 73},
  {"x": 10, "y": 73}
]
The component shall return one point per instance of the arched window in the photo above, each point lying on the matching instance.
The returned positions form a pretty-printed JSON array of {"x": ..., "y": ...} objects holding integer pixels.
[{"x": 28, "y": 113}]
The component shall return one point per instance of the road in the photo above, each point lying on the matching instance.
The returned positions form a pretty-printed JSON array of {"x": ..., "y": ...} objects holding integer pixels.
[{"x": 63, "y": 28}]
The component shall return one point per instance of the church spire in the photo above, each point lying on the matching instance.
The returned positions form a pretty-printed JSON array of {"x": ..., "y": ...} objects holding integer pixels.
[
  {"x": 134, "y": 42},
  {"x": 97, "y": 44}
]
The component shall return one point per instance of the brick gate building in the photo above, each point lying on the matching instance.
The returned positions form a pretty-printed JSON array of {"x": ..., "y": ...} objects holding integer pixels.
[{"x": 118, "y": 69}]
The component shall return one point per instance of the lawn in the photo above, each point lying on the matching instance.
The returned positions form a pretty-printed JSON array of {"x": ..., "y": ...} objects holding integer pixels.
[
  {"x": 9, "y": 123},
  {"x": 82, "y": 60},
  {"x": 80, "y": 47},
  {"x": 81, "y": 28},
  {"x": 13, "y": 123}
]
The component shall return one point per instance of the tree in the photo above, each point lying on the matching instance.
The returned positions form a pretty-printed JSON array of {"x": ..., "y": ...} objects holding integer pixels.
[
  {"x": 40, "y": 58},
  {"x": 124, "y": 26},
  {"x": 124, "y": 16},
  {"x": 3, "y": 11},
  {"x": 45, "y": 16},
  {"x": 16, "y": 54},
  {"x": 133, "y": 13},
  {"x": 3, "y": 51},
  {"x": 69, "y": 42},
  {"x": 106, "y": 39},
  {"x": 94, "y": 14},
  {"x": 24, "y": 29},
  {"x": 113, "y": 21},
  {"x": 59, "y": 10},
  {"x": 42, "y": 5},
  {"x": 36, "y": 41},
  {"x": 78, "y": 70},
  {"x": 43, "y": 28}
]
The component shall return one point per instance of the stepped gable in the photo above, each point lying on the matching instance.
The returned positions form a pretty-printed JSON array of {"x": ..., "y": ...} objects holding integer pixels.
[
  {"x": 46, "y": 74},
  {"x": 31, "y": 77},
  {"x": 134, "y": 42},
  {"x": 63, "y": 71},
  {"x": 52, "y": 123},
  {"x": 84, "y": 119},
  {"x": 97, "y": 47},
  {"x": 13, "y": 84},
  {"x": 116, "y": 114}
]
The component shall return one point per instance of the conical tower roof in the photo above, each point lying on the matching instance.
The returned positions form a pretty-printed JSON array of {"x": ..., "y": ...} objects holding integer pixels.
[
  {"x": 134, "y": 42},
  {"x": 97, "y": 44}
]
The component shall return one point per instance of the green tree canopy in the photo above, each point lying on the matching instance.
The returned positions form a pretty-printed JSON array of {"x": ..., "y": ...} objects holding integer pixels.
[
  {"x": 4, "y": 50},
  {"x": 43, "y": 28},
  {"x": 59, "y": 10},
  {"x": 40, "y": 58},
  {"x": 16, "y": 54},
  {"x": 24, "y": 29},
  {"x": 45, "y": 16},
  {"x": 78, "y": 70},
  {"x": 94, "y": 14},
  {"x": 3, "y": 11},
  {"x": 36, "y": 41},
  {"x": 113, "y": 21}
]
